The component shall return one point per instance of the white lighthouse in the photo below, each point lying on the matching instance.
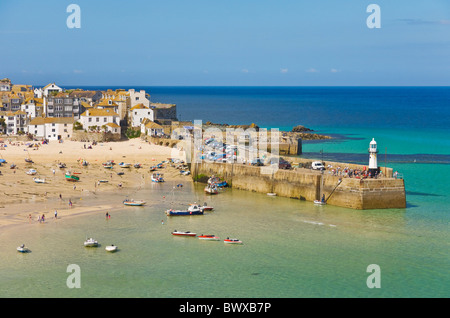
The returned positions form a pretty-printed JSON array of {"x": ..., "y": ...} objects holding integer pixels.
[{"x": 373, "y": 166}]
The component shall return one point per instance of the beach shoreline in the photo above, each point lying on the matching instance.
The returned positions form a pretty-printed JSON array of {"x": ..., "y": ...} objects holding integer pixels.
[{"x": 22, "y": 200}]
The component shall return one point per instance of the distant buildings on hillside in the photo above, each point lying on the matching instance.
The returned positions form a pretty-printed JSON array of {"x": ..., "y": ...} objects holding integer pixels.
[{"x": 54, "y": 113}]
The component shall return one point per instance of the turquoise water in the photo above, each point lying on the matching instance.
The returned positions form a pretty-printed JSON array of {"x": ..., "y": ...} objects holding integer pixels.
[{"x": 291, "y": 248}]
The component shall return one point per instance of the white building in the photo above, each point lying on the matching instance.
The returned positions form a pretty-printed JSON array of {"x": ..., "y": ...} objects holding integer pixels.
[
  {"x": 51, "y": 88},
  {"x": 138, "y": 113},
  {"x": 33, "y": 107},
  {"x": 51, "y": 128},
  {"x": 15, "y": 122},
  {"x": 138, "y": 98},
  {"x": 95, "y": 119}
]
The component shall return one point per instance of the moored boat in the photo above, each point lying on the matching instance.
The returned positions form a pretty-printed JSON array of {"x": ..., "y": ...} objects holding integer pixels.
[
  {"x": 209, "y": 237},
  {"x": 90, "y": 242},
  {"x": 211, "y": 189},
  {"x": 23, "y": 249},
  {"x": 31, "y": 172},
  {"x": 193, "y": 209},
  {"x": 320, "y": 202},
  {"x": 178, "y": 233},
  {"x": 71, "y": 177},
  {"x": 157, "y": 177},
  {"x": 232, "y": 241},
  {"x": 38, "y": 180},
  {"x": 111, "y": 248},
  {"x": 131, "y": 202},
  {"x": 124, "y": 165}
]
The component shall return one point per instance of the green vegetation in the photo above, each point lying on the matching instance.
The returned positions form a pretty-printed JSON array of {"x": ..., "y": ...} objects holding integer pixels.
[{"x": 132, "y": 133}]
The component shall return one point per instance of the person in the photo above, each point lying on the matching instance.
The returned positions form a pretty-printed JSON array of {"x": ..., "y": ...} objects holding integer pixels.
[
  {"x": 43, "y": 218},
  {"x": 56, "y": 214},
  {"x": 70, "y": 203},
  {"x": 60, "y": 196},
  {"x": 323, "y": 198}
]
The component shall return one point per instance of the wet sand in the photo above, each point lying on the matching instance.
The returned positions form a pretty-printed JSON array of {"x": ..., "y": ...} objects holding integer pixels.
[{"x": 22, "y": 200}]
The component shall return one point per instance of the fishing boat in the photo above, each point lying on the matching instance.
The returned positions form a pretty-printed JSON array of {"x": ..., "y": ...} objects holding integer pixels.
[
  {"x": 232, "y": 241},
  {"x": 38, "y": 180},
  {"x": 157, "y": 177},
  {"x": 23, "y": 249},
  {"x": 153, "y": 168},
  {"x": 31, "y": 172},
  {"x": 71, "y": 177},
  {"x": 320, "y": 202},
  {"x": 124, "y": 165},
  {"x": 211, "y": 189},
  {"x": 111, "y": 248},
  {"x": 106, "y": 166},
  {"x": 137, "y": 165},
  {"x": 209, "y": 237},
  {"x": 13, "y": 166},
  {"x": 215, "y": 181},
  {"x": 131, "y": 202},
  {"x": 103, "y": 181},
  {"x": 90, "y": 242},
  {"x": 272, "y": 194},
  {"x": 178, "y": 233},
  {"x": 28, "y": 160},
  {"x": 61, "y": 165},
  {"x": 193, "y": 209}
]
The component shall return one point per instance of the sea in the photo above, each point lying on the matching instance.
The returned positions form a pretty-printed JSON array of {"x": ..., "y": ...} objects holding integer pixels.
[{"x": 291, "y": 249}]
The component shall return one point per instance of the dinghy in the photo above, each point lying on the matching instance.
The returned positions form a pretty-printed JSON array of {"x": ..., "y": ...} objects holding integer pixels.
[{"x": 111, "y": 248}]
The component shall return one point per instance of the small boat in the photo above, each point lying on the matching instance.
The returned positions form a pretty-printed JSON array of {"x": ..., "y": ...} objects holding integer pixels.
[
  {"x": 178, "y": 233},
  {"x": 37, "y": 180},
  {"x": 232, "y": 241},
  {"x": 23, "y": 249},
  {"x": 124, "y": 165},
  {"x": 153, "y": 168},
  {"x": 206, "y": 207},
  {"x": 209, "y": 237},
  {"x": 157, "y": 177},
  {"x": 111, "y": 248},
  {"x": 137, "y": 165},
  {"x": 71, "y": 177},
  {"x": 90, "y": 242},
  {"x": 193, "y": 209},
  {"x": 185, "y": 173},
  {"x": 61, "y": 165},
  {"x": 133, "y": 202},
  {"x": 320, "y": 202},
  {"x": 107, "y": 165},
  {"x": 31, "y": 172},
  {"x": 13, "y": 166},
  {"x": 103, "y": 181},
  {"x": 28, "y": 160},
  {"x": 211, "y": 189},
  {"x": 84, "y": 163},
  {"x": 272, "y": 194}
]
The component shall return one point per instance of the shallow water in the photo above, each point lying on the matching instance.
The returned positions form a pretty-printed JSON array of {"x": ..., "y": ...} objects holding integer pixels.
[{"x": 291, "y": 248}]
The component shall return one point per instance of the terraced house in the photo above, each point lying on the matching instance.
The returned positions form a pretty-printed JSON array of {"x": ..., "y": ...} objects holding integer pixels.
[{"x": 62, "y": 105}]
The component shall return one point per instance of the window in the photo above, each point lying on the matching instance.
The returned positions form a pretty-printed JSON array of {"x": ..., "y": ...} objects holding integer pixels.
[
  {"x": 90, "y": 119},
  {"x": 53, "y": 130},
  {"x": 137, "y": 98},
  {"x": 97, "y": 119},
  {"x": 104, "y": 119}
]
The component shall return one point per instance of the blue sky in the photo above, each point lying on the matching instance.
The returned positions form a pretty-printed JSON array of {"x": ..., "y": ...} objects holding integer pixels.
[{"x": 233, "y": 42}]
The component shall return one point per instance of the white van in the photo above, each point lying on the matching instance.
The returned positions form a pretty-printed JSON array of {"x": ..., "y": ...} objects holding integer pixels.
[{"x": 317, "y": 165}]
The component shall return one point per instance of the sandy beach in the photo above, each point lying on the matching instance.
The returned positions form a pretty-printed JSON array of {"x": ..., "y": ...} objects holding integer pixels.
[{"x": 22, "y": 200}]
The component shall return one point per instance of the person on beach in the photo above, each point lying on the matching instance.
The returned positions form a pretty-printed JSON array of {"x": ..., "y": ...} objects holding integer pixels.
[
  {"x": 43, "y": 218},
  {"x": 56, "y": 214},
  {"x": 70, "y": 203}
]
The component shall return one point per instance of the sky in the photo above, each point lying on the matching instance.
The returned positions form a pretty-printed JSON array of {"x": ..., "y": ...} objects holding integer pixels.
[{"x": 226, "y": 43}]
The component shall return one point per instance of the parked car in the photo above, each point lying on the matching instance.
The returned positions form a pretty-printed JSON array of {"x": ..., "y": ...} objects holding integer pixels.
[
  {"x": 257, "y": 162},
  {"x": 283, "y": 164},
  {"x": 317, "y": 165}
]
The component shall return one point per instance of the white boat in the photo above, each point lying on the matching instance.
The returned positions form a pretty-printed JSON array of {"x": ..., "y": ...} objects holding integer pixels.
[
  {"x": 131, "y": 202},
  {"x": 37, "y": 180},
  {"x": 23, "y": 249},
  {"x": 31, "y": 172},
  {"x": 271, "y": 194},
  {"x": 211, "y": 189},
  {"x": 157, "y": 177},
  {"x": 124, "y": 165},
  {"x": 90, "y": 242},
  {"x": 111, "y": 248},
  {"x": 232, "y": 241},
  {"x": 178, "y": 233},
  {"x": 320, "y": 202}
]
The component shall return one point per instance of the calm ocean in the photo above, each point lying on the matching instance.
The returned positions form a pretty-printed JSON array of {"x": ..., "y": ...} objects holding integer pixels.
[{"x": 291, "y": 248}]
